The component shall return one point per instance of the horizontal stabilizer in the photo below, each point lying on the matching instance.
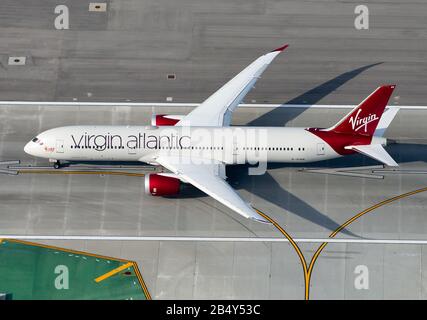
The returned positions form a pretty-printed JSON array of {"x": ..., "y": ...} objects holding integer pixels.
[{"x": 375, "y": 151}]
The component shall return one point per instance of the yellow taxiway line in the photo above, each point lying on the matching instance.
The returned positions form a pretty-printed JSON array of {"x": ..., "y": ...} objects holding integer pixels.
[
  {"x": 348, "y": 222},
  {"x": 114, "y": 271},
  {"x": 308, "y": 270},
  {"x": 291, "y": 241},
  {"x": 141, "y": 281}
]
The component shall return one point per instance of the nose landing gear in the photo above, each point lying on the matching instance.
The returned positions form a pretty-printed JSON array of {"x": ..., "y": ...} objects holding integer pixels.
[{"x": 57, "y": 164}]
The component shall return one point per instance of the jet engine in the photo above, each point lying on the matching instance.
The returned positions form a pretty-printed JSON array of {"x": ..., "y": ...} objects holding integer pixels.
[
  {"x": 159, "y": 185},
  {"x": 165, "y": 119}
]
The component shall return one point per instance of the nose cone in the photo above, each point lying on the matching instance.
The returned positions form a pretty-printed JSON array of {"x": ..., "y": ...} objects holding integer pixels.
[
  {"x": 31, "y": 148},
  {"x": 27, "y": 147}
]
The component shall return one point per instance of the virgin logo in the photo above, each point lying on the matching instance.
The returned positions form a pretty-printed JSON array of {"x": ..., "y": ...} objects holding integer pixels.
[{"x": 359, "y": 123}]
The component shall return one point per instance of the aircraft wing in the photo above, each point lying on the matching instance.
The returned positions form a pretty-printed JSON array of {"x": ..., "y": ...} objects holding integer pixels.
[
  {"x": 207, "y": 178},
  {"x": 216, "y": 111}
]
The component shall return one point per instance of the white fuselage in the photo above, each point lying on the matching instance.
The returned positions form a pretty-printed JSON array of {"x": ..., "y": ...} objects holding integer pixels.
[{"x": 232, "y": 145}]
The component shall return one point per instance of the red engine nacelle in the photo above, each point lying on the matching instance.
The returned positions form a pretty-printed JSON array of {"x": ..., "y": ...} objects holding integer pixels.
[
  {"x": 158, "y": 185},
  {"x": 165, "y": 119}
]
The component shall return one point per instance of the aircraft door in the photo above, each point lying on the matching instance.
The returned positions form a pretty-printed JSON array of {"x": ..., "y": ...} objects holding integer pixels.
[
  {"x": 237, "y": 153},
  {"x": 235, "y": 147},
  {"x": 320, "y": 149},
  {"x": 131, "y": 150},
  {"x": 59, "y": 146}
]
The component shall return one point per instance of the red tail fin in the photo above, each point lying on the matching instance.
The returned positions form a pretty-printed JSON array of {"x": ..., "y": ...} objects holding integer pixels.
[{"x": 365, "y": 117}]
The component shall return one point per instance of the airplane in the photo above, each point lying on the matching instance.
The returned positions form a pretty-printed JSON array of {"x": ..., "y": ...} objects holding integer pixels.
[{"x": 195, "y": 148}]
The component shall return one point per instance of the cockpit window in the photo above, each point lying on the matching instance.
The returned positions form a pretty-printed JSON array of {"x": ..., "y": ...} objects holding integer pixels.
[{"x": 35, "y": 139}]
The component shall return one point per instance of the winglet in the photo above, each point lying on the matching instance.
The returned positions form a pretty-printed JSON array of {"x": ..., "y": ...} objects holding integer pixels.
[
  {"x": 281, "y": 48},
  {"x": 260, "y": 220}
]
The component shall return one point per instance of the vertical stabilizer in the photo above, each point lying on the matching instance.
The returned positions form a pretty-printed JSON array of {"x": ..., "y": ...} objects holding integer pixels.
[{"x": 365, "y": 118}]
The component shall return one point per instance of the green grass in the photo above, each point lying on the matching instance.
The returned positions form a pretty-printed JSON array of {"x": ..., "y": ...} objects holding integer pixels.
[{"x": 28, "y": 272}]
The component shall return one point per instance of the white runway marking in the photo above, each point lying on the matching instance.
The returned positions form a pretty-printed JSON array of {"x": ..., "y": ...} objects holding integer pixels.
[
  {"x": 214, "y": 239},
  {"x": 166, "y": 104}
]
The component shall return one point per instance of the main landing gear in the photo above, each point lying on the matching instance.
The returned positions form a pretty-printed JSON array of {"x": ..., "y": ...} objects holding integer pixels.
[{"x": 57, "y": 164}]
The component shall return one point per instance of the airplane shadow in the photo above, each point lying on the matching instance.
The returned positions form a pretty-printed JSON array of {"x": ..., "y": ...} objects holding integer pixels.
[
  {"x": 277, "y": 118},
  {"x": 274, "y": 193},
  {"x": 238, "y": 177},
  {"x": 284, "y": 199}
]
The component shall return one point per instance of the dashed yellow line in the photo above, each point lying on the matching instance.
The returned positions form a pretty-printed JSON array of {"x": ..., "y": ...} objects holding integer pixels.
[{"x": 113, "y": 272}]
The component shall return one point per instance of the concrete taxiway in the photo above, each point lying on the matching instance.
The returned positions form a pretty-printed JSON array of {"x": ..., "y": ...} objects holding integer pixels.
[{"x": 125, "y": 55}]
